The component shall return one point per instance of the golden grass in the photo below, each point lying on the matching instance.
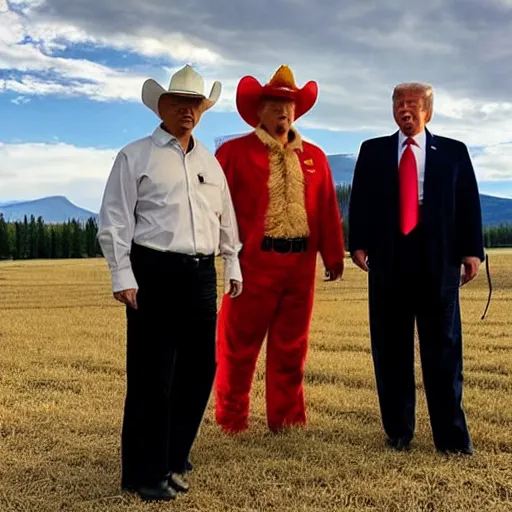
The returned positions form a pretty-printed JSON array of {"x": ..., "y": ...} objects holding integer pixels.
[{"x": 62, "y": 350}]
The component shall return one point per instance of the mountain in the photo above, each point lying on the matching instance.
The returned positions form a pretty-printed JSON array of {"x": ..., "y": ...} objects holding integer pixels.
[
  {"x": 342, "y": 167},
  {"x": 495, "y": 210},
  {"x": 53, "y": 209}
]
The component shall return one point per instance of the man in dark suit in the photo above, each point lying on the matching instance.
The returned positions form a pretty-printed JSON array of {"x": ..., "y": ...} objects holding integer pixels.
[{"x": 415, "y": 222}]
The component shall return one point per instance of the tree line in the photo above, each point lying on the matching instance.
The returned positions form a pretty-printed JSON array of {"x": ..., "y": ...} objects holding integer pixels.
[{"x": 34, "y": 239}]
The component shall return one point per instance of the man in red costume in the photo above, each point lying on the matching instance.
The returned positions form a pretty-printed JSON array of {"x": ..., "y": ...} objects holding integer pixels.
[{"x": 287, "y": 211}]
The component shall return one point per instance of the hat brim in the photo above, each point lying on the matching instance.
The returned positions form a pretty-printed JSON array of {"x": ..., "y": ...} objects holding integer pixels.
[
  {"x": 250, "y": 92},
  {"x": 152, "y": 91}
]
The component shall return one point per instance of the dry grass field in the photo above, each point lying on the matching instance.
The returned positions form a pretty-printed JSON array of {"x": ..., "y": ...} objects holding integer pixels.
[{"x": 62, "y": 352}]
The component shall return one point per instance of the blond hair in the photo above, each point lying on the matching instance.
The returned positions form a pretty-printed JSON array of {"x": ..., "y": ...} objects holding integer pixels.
[{"x": 426, "y": 90}]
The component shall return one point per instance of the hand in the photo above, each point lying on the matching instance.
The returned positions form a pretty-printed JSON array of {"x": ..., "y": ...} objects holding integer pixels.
[
  {"x": 128, "y": 297},
  {"x": 335, "y": 272},
  {"x": 470, "y": 267},
  {"x": 235, "y": 288},
  {"x": 359, "y": 257}
]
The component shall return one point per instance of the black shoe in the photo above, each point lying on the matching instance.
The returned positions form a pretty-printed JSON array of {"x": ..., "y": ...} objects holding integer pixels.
[
  {"x": 158, "y": 492},
  {"x": 468, "y": 451},
  {"x": 400, "y": 444},
  {"x": 179, "y": 482}
]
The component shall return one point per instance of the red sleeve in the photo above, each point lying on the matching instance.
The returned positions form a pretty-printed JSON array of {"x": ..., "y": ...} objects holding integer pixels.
[
  {"x": 223, "y": 155},
  {"x": 331, "y": 242}
]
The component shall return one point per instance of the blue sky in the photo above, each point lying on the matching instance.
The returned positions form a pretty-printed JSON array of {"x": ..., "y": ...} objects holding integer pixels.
[{"x": 71, "y": 73}]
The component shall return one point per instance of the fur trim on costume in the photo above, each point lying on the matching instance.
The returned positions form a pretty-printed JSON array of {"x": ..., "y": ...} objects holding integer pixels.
[{"x": 286, "y": 213}]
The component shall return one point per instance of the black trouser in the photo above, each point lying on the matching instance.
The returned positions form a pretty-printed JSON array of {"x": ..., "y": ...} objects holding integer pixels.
[
  {"x": 170, "y": 362},
  {"x": 393, "y": 310}
]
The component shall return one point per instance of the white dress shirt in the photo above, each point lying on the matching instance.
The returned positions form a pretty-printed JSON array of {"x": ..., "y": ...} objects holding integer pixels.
[
  {"x": 419, "y": 151},
  {"x": 166, "y": 199}
]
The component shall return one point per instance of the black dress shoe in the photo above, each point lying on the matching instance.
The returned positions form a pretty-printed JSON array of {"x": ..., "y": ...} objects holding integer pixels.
[
  {"x": 457, "y": 451},
  {"x": 158, "y": 492},
  {"x": 400, "y": 444},
  {"x": 179, "y": 482}
]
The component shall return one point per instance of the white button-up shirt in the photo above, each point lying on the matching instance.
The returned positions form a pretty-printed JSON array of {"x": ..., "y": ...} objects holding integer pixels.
[
  {"x": 169, "y": 200},
  {"x": 419, "y": 151}
]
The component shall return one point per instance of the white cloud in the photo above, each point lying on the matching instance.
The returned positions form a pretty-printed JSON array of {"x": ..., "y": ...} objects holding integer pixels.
[
  {"x": 54, "y": 169},
  {"x": 20, "y": 100},
  {"x": 492, "y": 163}
]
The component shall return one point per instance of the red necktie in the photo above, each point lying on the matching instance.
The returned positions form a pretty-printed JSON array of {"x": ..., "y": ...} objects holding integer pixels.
[{"x": 408, "y": 179}]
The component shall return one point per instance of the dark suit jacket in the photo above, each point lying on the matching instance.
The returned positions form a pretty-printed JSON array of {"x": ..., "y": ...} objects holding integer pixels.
[{"x": 451, "y": 212}]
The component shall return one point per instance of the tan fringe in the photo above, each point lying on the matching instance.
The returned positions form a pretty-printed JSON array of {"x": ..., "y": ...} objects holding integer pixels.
[{"x": 286, "y": 213}]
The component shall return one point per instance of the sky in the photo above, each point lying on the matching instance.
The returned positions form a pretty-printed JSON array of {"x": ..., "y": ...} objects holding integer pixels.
[{"x": 71, "y": 73}]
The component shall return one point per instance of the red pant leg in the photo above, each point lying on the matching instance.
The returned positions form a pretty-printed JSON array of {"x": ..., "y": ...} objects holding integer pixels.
[
  {"x": 286, "y": 354},
  {"x": 242, "y": 325}
]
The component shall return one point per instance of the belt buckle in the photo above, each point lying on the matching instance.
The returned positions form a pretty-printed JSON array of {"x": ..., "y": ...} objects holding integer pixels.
[
  {"x": 282, "y": 245},
  {"x": 195, "y": 261}
]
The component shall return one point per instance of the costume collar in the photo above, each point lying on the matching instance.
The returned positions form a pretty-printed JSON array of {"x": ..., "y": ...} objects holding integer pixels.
[{"x": 269, "y": 141}]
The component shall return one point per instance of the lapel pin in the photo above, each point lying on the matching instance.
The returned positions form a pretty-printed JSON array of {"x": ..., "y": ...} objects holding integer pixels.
[{"x": 433, "y": 147}]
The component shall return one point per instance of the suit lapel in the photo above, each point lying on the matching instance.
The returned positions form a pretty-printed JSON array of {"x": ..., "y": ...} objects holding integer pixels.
[
  {"x": 432, "y": 155},
  {"x": 392, "y": 156}
]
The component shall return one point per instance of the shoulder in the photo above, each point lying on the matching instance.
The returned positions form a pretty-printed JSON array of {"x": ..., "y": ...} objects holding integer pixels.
[
  {"x": 205, "y": 155},
  {"x": 448, "y": 143},
  {"x": 376, "y": 142},
  {"x": 208, "y": 161},
  {"x": 202, "y": 150},
  {"x": 130, "y": 157},
  {"x": 315, "y": 152},
  {"x": 134, "y": 148},
  {"x": 237, "y": 143}
]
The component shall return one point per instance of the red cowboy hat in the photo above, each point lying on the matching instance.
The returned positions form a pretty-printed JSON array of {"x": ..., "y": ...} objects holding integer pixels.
[{"x": 282, "y": 85}]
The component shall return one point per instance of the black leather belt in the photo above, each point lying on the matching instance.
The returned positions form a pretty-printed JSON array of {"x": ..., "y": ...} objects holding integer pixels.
[
  {"x": 284, "y": 245},
  {"x": 188, "y": 260}
]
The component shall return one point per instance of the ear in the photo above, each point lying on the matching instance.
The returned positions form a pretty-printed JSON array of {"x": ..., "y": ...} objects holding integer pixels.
[
  {"x": 161, "y": 105},
  {"x": 261, "y": 109}
]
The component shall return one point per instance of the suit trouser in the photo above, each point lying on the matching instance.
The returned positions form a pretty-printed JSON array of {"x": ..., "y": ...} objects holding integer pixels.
[
  {"x": 393, "y": 311},
  {"x": 170, "y": 362}
]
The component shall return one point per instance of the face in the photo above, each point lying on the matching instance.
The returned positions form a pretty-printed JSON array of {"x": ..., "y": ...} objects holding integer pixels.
[
  {"x": 180, "y": 114},
  {"x": 410, "y": 113},
  {"x": 277, "y": 116}
]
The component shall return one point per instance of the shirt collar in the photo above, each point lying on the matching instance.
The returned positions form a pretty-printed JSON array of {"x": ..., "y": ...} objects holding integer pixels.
[
  {"x": 162, "y": 138},
  {"x": 420, "y": 139}
]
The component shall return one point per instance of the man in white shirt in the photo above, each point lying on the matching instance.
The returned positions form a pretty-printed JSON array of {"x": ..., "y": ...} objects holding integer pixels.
[{"x": 166, "y": 213}]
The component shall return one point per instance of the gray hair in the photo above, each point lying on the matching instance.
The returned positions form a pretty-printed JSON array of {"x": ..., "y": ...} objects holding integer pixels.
[{"x": 426, "y": 90}]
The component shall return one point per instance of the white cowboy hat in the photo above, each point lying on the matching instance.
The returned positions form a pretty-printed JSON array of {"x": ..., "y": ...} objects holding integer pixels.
[{"x": 185, "y": 82}]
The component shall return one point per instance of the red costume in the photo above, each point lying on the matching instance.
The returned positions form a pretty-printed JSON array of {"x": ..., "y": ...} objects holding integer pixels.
[{"x": 287, "y": 211}]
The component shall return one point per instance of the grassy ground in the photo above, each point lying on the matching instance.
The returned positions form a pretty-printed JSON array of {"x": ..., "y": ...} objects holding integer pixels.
[{"x": 62, "y": 354}]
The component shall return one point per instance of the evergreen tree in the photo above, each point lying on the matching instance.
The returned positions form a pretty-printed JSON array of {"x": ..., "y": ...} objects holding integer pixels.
[
  {"x": 65, "y": 232},
  {"x": 25, "y": 241},
  {"x": 77, "y": 239},
  {"x": 5, "y": 240},
  {"x": 33, "y": 242},
  {"x": 43, "y": 239},
  {"x": 18, "y": 238},
  {"x": 91, "y": 242}
]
